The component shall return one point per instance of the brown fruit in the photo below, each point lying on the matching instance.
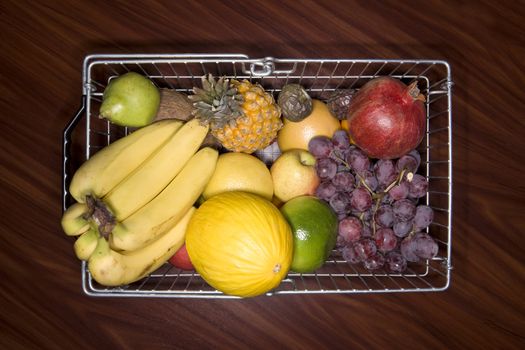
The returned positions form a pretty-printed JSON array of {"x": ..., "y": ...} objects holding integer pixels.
[
  {"x": 339, "y": 102},
  {"x": 174, "y": 105}
]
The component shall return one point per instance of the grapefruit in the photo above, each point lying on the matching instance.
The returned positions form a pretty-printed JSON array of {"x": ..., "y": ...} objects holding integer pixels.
[
  {"x": 314, "y": 226},
  {"x": 298, "y": 134},
  {"x": 240, "y": 172}
]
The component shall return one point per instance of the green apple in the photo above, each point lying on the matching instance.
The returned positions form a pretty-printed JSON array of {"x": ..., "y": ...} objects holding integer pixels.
[
  {"x": 294, "y": 175},
  {"x": 130, "y": 100}
]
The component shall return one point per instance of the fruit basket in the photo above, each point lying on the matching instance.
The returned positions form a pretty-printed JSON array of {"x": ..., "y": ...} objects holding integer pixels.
[{"x": 86, "y": 134}]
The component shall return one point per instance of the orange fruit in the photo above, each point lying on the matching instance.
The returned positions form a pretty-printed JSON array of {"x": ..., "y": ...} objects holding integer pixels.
[
  {"x": 296, "y": 135},
  {"x": 346, "y": 126}
]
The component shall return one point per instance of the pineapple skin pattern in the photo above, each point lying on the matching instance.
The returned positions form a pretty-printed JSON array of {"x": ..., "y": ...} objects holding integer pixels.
[
  {"x": 256, "y": 125},
  {"x": 259, "y": 125}
]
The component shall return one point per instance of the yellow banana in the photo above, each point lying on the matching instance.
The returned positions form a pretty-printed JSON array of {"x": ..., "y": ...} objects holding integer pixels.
[
  {"x": 112, "y": 164},
  {"x": 153, "y": 175},
  {"x": 111, "y": 268},
  {"x": 168, "y": 207},
  {"x": 74, "y": 221},
  {"x": 85, "y": 244}
]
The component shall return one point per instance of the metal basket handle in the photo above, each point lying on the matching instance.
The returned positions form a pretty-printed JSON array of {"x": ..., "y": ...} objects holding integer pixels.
[
  {"x": 266, "y": 66},
  {"x": 66, "y": 150}
]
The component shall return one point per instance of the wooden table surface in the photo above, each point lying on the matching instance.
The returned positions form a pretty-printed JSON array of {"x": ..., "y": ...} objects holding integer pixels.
[{"x": 43, "y": 44}]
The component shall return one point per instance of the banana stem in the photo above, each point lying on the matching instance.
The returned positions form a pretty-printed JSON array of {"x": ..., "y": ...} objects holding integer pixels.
[{"x": 101, "y": 216}]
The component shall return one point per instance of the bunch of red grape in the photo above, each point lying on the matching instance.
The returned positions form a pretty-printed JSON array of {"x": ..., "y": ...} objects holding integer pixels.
[{"x": 381, "y": 223}]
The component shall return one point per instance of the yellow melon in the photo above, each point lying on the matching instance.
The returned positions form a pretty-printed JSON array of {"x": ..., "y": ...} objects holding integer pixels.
[{"x": 240, "y": 243}]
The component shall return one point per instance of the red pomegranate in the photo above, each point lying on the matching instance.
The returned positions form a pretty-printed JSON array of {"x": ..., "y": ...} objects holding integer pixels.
[{"x": 387, "y": 118}]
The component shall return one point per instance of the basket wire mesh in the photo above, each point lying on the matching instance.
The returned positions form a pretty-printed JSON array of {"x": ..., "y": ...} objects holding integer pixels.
[{"x": 319, "y": 77}]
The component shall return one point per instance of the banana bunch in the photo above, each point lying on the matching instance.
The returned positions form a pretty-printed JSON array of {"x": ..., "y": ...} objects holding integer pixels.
[{"x": 135, "y": 197}]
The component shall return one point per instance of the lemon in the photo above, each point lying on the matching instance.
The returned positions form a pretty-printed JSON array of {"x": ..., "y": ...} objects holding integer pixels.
[
  {"x": 314, "y": 226},
  {"x": 239, "y": 243},
  {"x": 240, "y": 172},
  {"x": 298, "y": 134}
]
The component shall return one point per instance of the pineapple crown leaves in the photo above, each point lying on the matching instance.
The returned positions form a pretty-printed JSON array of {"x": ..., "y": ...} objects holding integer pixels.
[{"x": 217, "y": 102}]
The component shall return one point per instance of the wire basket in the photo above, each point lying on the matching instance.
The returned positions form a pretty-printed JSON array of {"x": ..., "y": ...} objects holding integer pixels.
[{"x": 319, "y": 77}]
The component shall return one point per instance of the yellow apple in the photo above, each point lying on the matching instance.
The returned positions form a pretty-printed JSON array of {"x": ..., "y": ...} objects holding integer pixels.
[{"x": 293, "y": 175}]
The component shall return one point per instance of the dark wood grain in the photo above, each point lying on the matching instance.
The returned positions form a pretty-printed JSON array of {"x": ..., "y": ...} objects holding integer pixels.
[{"x": 42, "y": 46}]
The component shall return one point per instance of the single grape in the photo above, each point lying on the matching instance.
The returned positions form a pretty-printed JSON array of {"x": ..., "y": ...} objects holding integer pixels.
[
  {"x": 325, "y": 190},
  {"x": 366, "y": 215},
  {"x": 418, "y": 186},
  {"x": 374, "y": 262},
  {"x": 339, "y": 157},
  {"x": 366, "y": 231},
  {"x": 408, "y": 249},
  {"x": 340, "y": 140},
  {"x": 358, "y": 161},
  {"x": 361, "y": 199},
  {"x": 387, "y": 199},
  {"x": 402, "y": 228},
  {"x": 423, "y": 217},
  {"x": 350, "y": 229},
  {"x": 404, "y": 210},
  {"x": 380, "y": 188},
  {"x": 320, "y": 146},
  {"x": 365, "y": 248},
  {"x": 426, "y": 246},
  {"x": 385, "y": 240},
  {"x": 350, "y": 255},
  {"x": 399, "y": 191},
  {"x": 340, "y": 242},
  {"x": 344, "y": 181},
  {"x": 369, "y": 179},
  {"x": 384, "y": 216},
  {"x": 395, "y": 262},
  {"x": 407, "y": 163},
  {"x": 326, "y": 168},
  {"x": 342, "y": 168},
  {"x": 340, "y": 202},
  {"x": 414, "y": 153},
  {"x": 385, "y": 171}
]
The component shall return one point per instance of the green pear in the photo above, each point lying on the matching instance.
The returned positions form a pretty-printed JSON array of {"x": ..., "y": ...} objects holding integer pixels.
[{"x": 130, "y": 100}]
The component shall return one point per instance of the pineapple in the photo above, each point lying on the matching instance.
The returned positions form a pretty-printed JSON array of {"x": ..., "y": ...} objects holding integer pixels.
[{"x": 242, "y": 116}]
